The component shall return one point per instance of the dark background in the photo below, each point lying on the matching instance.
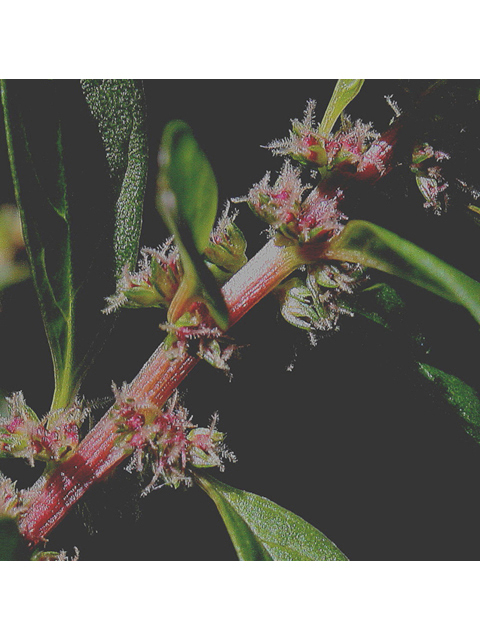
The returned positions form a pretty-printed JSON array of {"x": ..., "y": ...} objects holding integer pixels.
[{"x": 351, "y": 439}]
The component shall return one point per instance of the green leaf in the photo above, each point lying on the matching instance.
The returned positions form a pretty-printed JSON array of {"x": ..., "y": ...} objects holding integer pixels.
[
  {"x": 382, "y": 305},
  {"x": 12, "y": 270},
  {"x": 345, "y": 91},
  {"x": 10, "y": 539},
  {"x": 372, "y": 246},
  {"x": 68, "y": 202},
  {"x": 187, "y": 199},
  {"x": 119, "y": 108},
  {"x": 379, "y": 303},
  {"x": 463, "y": 398},
  {"x": 261, "y": 530}
]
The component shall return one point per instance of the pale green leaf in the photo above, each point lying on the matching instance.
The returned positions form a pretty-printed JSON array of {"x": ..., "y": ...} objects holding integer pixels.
[
  {"x": 345, "y": 91},
  {"x": 372, "y": 246}
]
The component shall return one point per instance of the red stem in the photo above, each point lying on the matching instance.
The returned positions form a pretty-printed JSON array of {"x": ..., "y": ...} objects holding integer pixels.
[{"x": 99, "y": 453}]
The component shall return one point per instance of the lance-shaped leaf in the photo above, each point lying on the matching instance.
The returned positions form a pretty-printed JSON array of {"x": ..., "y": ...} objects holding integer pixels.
[
  {"x": 463, "y": 398},
  {"x": 119, "y": 108},
  {"x": 381, "y": 304},
  {"x": 345, "y": 91},
  {"x": 67, "y": 200},
  {"x": 187, "y": 199},
  {"x": 262, "y": 530},
  {"x": 372, "y": 246}
]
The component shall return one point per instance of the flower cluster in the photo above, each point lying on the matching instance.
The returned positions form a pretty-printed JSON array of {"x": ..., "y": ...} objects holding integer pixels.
[
  {"x": 10, "y": 499},
  {"x": 281, "y": 206},
  {"x": 153, "y": 285},
  {"x": 194, "y": 334},
  {"x": 315, "y": 303},
  {"x": 166, "y": 441},
  {"x": 355, "y": 147},
  {"x": 429, "y": 178},
  {"x": 24, "y": 435},
  {"x": 160, "y": 272}
]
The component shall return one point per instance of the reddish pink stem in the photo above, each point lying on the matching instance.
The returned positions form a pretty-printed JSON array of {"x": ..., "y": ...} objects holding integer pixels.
[{"x": 98, "y": 453}]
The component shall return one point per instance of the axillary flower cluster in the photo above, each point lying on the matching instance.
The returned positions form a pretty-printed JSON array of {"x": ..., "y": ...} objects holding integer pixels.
[
  {"x": 354, "y": 148},
  {"x": 165, "y": 442},
  {"x": 157, "y": 281},
  {"x": 50, "y": 439}
]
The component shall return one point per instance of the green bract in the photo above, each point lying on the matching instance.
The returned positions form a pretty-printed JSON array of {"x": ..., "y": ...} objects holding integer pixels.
[
  {"x": 345, "y": 91},
  {"x": 187, "y": 198}
]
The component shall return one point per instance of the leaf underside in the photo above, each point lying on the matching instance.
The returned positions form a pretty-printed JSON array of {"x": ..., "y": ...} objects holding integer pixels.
[{"x": 119, "y": 108}]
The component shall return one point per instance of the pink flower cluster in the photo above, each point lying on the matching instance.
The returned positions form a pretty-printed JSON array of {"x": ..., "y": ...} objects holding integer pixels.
[
  {"x": 153, "y": 285},
  {"x": 166, "y": 441},
  {"x": 281, "y": 206},
  {"x": 354, "y": 148},
  {"x": 24, "y": 435},
  {"x": 10, "y": 502}
]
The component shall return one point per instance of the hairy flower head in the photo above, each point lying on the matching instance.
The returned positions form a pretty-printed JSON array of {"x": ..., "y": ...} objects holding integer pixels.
[
  {"x": 281, "y": 205},
  {"x": 168, "y": 443},
  {"x": 24, "y": 435},
  {"x": 355, "y": 147}
]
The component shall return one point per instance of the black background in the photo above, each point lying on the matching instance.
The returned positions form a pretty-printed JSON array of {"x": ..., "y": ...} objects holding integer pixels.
[{"x": 350, "y": 439}]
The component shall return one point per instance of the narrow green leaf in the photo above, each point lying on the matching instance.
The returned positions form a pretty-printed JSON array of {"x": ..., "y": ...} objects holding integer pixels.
[
  {"x": 67, "y": 201},
  {"x": 262, "y": 530},
  {"x": 345, "y": 91},
  {"x": 463, "y": 398},
  {"x": 187, "y": 199},
  {"x": 119, "y": 108},
  {"x": 10, "y": 539},
  {"x": 372, "y": 246},
  {"x": 382, "y": 305}
]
